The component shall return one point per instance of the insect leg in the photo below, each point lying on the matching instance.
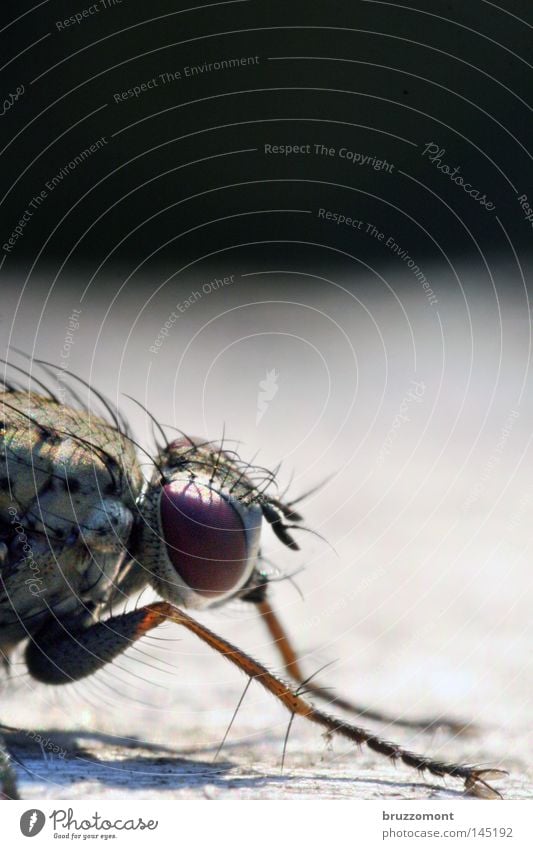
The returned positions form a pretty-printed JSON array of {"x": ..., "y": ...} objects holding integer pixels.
[
  {"x": 71, "y": 656},
  {"x": 8, "y": 783},
  {"x": 293, "y": 668}
]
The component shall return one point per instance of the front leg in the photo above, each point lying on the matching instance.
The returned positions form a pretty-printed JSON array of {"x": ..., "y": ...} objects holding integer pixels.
[{"x": 57, "y": 656}]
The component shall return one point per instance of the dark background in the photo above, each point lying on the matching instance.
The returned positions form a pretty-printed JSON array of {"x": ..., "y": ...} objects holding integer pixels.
[{"x": 385, "y": 80}]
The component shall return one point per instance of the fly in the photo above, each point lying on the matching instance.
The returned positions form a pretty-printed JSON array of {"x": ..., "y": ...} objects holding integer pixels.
[{"x": 81, "y": 530}]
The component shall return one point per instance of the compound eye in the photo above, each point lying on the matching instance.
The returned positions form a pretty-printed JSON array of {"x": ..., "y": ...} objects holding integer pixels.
[{"x": 205, "y": 537}]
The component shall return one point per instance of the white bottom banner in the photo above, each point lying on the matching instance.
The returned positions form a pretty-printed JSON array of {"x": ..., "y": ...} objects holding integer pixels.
[{"x": 255, "y": 823}]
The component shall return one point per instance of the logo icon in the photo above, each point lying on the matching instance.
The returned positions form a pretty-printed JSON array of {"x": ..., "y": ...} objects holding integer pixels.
[
  {"x": 32, "y": 822},
  {"x": 267, "y": 390}
]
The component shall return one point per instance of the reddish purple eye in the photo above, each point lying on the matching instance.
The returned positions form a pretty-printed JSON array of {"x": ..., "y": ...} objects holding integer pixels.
[{"x": 205, "y": 537}]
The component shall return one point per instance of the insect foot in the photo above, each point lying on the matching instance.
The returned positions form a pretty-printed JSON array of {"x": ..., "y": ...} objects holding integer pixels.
[
  {"x": 8, "y": 785},
  {"x": 477, "y": 785}
]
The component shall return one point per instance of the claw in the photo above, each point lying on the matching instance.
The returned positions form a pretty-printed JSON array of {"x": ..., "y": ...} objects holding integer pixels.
[{"x": 477, "y": 785}]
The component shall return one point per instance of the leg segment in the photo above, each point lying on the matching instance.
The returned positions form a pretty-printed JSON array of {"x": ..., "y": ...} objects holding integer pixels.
[
  {"x": 8, "y": 784},
  {"x": 67, "y": 657},
  {"x": 60, "y": 654},
  {"x": 292, "y": 667}
]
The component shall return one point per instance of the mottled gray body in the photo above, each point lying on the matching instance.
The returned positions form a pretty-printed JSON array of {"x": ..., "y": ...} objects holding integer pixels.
[{"x": 69, "y": 482}]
